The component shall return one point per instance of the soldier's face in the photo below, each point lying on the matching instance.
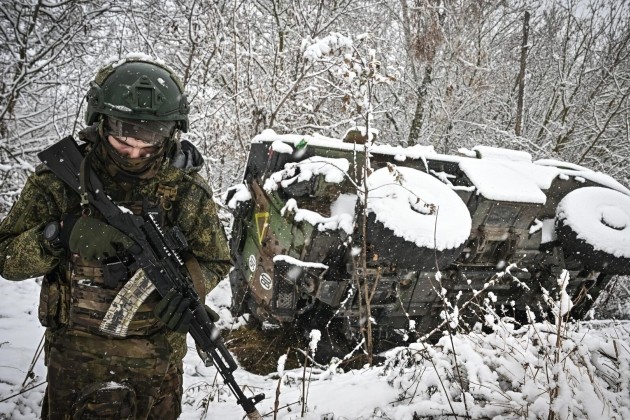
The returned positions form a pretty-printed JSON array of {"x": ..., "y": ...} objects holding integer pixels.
[{"x": 132, "y": 147}]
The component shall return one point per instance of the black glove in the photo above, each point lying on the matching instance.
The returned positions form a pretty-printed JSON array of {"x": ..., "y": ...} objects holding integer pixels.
[
  {"x": 174, "y": 311},
  {"x": 93, "y": 239}
]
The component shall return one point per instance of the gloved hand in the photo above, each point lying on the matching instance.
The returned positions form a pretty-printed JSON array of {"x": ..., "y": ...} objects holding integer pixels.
[
  {"x": 93, "y": 239},
  {"x": 174, "y": 310}
]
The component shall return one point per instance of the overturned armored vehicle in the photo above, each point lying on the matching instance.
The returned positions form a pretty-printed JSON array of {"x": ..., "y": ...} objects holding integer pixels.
[{"x": 308, "y": 234}]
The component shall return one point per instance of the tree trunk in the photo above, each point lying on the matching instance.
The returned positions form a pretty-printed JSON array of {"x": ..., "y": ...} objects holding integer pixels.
[
  {"x": 418, "y": 116},
  {"x": 518, "y": 129}
]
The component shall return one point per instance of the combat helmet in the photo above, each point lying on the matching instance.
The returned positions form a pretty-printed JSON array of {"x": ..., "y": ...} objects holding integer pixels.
[{"x": 137, "y": 88}]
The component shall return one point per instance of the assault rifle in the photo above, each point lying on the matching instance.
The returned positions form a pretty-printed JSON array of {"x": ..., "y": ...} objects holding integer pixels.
[{"x": 157, "y": 265}]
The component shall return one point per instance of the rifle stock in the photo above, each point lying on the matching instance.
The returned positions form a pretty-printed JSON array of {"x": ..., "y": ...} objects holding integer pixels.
[{"x": 158, "y": 261}]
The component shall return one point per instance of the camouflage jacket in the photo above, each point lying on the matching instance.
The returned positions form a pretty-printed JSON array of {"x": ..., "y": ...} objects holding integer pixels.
[{"x": 177, "y": 188}]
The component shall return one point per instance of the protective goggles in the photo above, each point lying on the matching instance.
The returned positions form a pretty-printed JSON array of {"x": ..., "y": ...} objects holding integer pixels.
[{"x": 152, "y": 132}]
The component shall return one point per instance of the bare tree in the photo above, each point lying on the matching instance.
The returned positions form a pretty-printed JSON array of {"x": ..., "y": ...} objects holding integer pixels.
[
  {"x": 38, "y": 44},
  {"x": 521, "y": 76},
  {"x": 247, "y": 67}
]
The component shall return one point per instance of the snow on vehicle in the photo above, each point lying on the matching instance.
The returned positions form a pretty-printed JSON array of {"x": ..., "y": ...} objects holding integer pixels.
[{"x": 298, "y": 232}]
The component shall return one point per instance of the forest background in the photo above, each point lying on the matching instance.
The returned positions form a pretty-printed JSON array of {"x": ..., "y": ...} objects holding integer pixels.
[{"x": 551, "y": 78}]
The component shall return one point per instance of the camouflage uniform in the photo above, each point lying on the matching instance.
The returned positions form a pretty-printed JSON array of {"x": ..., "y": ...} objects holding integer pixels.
[{"x": 90, "y": 374}]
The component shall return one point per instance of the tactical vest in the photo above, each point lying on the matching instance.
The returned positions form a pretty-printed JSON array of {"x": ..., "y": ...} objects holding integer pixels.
[
  {"x": 78, "y": 295},
  {"x": 91, "y": 296}
]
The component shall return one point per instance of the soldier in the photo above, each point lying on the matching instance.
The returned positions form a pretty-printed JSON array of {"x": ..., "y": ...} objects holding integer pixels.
[{"x": 136, "y": 109}]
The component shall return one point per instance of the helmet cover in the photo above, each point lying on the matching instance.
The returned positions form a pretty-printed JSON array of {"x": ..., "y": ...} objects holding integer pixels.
[{"x": 138, "y": 89}]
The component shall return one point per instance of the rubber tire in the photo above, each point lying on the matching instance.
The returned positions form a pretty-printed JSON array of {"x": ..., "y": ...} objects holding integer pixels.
[
  {"x": 425, "y": 253},
  {"x": 580, "y": 247}
]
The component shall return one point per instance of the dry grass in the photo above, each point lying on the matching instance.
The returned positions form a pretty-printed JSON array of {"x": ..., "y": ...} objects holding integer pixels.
[{"x": 258, "y": 351}]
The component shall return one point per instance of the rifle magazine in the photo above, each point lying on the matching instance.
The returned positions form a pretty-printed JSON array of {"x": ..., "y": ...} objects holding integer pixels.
[{"x": 125, "y": 305}]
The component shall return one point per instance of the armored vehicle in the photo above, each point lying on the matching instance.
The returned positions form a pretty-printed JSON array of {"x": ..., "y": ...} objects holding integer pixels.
[{"x": 424, "y": 229}]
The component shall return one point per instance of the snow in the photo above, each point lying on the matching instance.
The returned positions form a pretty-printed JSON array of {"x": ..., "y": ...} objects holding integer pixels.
[
  {"x": 124, "y": 209},
  {"x": 133, "y": 56},
  {"x": 599, "y": 216},
  {"x": 486, "y": 169},
  {"x": 509, "y": 373},
  {"x": 536, "y": 226},
  {"x": 487, "y": 152},
  {"x": 296, "y": 262},
  {"x": 120, "y": 108},
  {"x": 495, "y": 182},
  {"x": 561, "y": 164},
  {"x": 280, "y": 147},
  {"x": 338, "y": 221},
  {"x": 344, "y": 204},
  {"x": 424, "y": 208},
  {"x": 315, "y": 336},
  {"x": 333, "y": 170},
  {"x": 542, "y": 176},
  {"x": 241, "y": 194},
  {"x": 328, "y": 45}
]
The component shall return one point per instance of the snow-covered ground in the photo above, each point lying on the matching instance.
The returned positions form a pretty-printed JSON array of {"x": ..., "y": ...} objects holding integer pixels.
[{"x": 510, "y": 373}]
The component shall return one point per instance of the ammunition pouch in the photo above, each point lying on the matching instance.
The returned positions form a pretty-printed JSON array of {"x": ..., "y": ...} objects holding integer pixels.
[
  {"x": 92, "y": 293},
  {"x": 51, "y": 300},
  {"x": 105, "y": 400}
]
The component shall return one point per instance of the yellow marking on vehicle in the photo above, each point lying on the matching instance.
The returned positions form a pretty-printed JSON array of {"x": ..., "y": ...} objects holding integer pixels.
[{"x": 262, "y": 223}]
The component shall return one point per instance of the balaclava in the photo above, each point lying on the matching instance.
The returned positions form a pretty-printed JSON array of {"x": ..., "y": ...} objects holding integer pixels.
[{"x": 158, "y": 133}]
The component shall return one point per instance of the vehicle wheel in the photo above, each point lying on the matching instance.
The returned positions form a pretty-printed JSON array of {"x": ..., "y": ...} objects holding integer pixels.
[
  {"x": 414, "y": 219},
  {"x": 593, "y": 226}
]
